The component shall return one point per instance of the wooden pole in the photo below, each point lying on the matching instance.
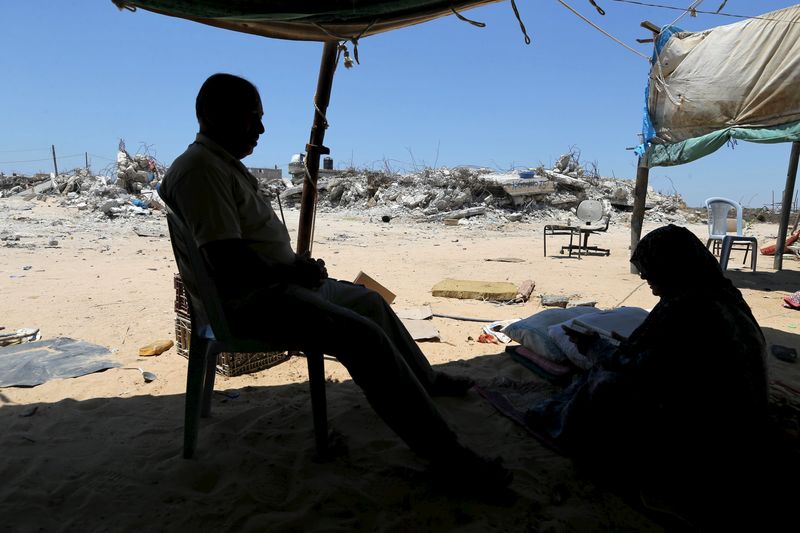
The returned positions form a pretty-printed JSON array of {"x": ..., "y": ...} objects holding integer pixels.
[
  {"x": 55, "y": 165},
  {"x": 639, "y": 198},
  {"x": 786, "y": 206},
  {"x": 315, "y": 148}
]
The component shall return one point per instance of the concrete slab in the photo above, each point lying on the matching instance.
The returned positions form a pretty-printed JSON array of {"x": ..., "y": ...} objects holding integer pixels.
[{"x": 475, "y": 290}]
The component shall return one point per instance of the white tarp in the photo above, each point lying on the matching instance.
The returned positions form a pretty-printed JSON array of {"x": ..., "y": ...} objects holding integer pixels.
[{"x": 742, "y": 75}]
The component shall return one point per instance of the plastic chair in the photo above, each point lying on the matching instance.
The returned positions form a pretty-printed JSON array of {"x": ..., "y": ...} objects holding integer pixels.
[
  {"x": 718, "y": 209},
  {"x": 591, "y": 215},
  {"x": 211, "y": 335}
]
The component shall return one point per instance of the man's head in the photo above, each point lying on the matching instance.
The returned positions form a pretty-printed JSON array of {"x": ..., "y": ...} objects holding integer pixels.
[{"x": 229, "y": 112}]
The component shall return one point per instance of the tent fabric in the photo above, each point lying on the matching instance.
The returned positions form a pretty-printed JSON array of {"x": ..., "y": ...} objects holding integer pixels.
[
  {"x": 737, "y": 81},
  {"x": 697, "y": 147},
  {"x": 306, "y": 20}
]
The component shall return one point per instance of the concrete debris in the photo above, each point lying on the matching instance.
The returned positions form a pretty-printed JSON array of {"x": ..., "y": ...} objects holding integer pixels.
[
  {"x": 129, "y": 190},
  {"x": 485, "y": 196},
  {"x": 554, "y": 300},
  {"x": 458, "y": 196},
  {"x": 463, "y": 289}
]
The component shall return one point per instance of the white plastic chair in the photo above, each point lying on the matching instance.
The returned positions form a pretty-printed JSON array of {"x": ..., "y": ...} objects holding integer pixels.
[{"x": 723, "y": 242}]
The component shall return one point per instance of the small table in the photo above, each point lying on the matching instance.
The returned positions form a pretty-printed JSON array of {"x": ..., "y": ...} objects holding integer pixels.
[
  {"x": 727, "y": 244},
  {"x": 572, "y": 231}
]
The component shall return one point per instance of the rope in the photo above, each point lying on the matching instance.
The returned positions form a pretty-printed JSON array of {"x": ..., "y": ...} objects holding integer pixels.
[
  {"x": 465, "y": 318},
  {"x": 345, "y": 38},
  {"x": 521, "y": 24},
  {"x": 598, "y": 8},
  {"x": 465, "y": 19},
  {"x": 639, "y": 286},
  {"x": 690, "y": 9},
  {"x": 598, "y": 28}
]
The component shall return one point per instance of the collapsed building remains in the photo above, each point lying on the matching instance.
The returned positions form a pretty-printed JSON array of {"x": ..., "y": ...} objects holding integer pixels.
[{"x": 432, "y": 194}]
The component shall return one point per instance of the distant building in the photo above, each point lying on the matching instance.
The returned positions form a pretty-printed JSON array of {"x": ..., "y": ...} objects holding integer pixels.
[{"x": 267, "y": 173}]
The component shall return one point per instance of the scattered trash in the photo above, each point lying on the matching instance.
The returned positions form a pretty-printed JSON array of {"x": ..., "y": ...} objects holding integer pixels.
[
  {"x": 501, "y": 291},
  {"x": 464, "y": 318},
  {"x": 506, "y": 259},
  {"x": 19, "y": 336},
  {"x": 422, "y": 312},
  {"x": 524, "y": 291},
  {"x": 583, "y": 303},
  {"x": 421, "y": 330},
  {"x": 495, "y": 329},
  {"x": 488, "y": 338},
  {"x": 554, "y": 300},
  {"x": 148, "y": 376},
  {"x": 155, "y": 348}
]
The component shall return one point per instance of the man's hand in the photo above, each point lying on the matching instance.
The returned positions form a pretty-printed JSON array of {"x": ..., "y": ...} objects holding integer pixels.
[{"x": 310, "y": 272}]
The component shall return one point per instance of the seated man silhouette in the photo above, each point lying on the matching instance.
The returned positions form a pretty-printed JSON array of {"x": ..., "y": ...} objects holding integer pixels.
[{"x": 287, "y": 299}]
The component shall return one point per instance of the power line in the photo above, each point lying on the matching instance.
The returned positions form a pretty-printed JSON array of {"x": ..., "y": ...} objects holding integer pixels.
[
  {"x": 718, "y": 13},
  {"x": 24, "y": 150},
  {"x": 40, "y": 160},
  {"x": 601, "y": 30}
]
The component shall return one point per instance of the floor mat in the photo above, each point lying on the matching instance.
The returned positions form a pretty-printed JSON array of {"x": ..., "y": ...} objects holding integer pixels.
[
  {"x": 513, "y": 399},
  {"x": 34, "y": 363}
]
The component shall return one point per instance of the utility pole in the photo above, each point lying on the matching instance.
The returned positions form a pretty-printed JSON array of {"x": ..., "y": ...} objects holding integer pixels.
[
  {"x": 55, "y": 165},
  {"x": 86, "y": 155}
]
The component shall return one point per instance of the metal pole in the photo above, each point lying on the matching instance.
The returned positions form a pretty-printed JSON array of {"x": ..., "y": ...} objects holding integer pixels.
[
  {"x": 639, "y": 198},
  {"x": 55, "y": 165},
  {"x": 315, "y": 147},
  {"x": 86, "y": 157},
  {"x": 786, "y": 206}
]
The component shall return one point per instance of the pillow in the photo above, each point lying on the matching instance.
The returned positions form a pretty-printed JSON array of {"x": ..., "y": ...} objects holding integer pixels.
[
  {"x": 623, "y": 320},
  {"x": 532, "y": 333}
]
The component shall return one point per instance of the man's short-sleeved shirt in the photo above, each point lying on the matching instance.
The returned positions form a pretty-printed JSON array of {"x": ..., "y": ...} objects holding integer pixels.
[{"x": 218, "y": 199}]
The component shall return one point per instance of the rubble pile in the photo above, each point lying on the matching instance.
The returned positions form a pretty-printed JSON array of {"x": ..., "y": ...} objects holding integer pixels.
[
  {"x": 461, "y": 192},
  {"x": 130, "y": 191},
  {"x": 455, "y": 194},
  {"x": 14, "y": 184}
]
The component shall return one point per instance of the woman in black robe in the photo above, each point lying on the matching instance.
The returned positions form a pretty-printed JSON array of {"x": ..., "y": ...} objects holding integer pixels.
[{"x": 679, "y": 402}]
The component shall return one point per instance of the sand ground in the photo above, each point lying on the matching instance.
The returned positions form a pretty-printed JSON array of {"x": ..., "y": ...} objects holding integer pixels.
[{"x": 103, "y": 452}]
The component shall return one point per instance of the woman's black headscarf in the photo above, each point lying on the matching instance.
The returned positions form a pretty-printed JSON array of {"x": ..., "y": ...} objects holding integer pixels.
[{"x": 675, "y": 259}]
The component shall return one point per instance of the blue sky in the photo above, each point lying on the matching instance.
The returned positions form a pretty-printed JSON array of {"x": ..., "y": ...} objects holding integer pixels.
[{"x": 444, "y": 93}]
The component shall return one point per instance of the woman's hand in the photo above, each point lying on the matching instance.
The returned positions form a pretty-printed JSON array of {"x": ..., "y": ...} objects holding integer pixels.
[{"x": 583, "y": 340}]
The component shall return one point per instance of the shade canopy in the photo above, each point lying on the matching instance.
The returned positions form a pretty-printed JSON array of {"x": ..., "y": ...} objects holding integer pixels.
[
  {"x": 307, "y": 20},
  {"x": 738, "y": 81}
]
